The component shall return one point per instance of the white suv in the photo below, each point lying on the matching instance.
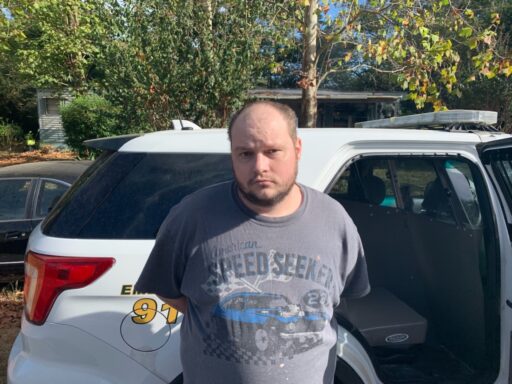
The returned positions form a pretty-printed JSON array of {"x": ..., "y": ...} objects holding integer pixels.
[{"x": 432, "y": 207}]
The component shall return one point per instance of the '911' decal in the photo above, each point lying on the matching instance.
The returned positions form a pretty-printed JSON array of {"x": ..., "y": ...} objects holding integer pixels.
[{"x": 145, "y": 310}]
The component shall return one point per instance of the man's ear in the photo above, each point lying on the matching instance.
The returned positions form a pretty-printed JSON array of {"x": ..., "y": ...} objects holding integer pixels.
[{"x": 298, "y": 147}]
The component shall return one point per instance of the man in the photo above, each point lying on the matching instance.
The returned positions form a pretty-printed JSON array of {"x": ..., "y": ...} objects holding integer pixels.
[{"x": 257, "y": 265}]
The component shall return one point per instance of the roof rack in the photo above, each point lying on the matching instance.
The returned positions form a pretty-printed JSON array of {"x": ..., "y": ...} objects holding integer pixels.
[{"x": 454, "y": 120}]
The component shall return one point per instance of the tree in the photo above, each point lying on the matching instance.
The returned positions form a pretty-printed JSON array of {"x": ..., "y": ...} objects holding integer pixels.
[
  {"x": 52, "y": 43},
  {"x": 419, "y": 41},
  {"x": 479, "y": 92},
  {"x": 170, "y": 59}
]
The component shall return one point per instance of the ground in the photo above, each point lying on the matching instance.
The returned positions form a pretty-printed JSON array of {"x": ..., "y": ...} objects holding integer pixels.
[
  {"x": 43, "y": 154},
  {"x": 11, "y": 294},
  {"x": 11, "y": 307}
]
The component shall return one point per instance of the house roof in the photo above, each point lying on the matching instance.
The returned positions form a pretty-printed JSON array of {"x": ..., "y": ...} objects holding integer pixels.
[{"x": 325, "y": 94}]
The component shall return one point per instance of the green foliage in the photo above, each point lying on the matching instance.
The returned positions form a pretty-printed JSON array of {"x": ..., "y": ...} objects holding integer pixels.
[
  {"x": 192, "y": 60},
  {"x": 10, "y": 134},
  {"x": 420, "y": 42},
  {"x": 53, "y": 43},
  {"x": 89, "y": 117}
]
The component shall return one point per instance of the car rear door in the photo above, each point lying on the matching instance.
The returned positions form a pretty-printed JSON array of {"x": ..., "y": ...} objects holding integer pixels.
[{"x": 497, "y": 159}]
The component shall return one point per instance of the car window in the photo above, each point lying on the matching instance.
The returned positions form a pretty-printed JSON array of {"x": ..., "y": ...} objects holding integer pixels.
[
  {"x": 236, "y": 304},
  {"x": 13, "y": 198},
  {"x": 461, "y": 178},
  {"x": 422, "y": 189},
  {"x": 49, "y": 193},
  {"x": 368, "y": 181},
  {"x": 128, "y": 195}
]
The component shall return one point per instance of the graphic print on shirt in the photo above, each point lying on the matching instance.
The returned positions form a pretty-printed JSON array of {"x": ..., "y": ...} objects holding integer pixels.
[{"x": 252, "y": 326}]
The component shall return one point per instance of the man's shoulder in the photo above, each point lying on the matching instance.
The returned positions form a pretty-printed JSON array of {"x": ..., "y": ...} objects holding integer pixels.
[
  {"x": 194, "y": 207},
  {"x": 322, "y": 198},
  {"x": 330, "y": 210},
  {"x": 210, "y": 194}
]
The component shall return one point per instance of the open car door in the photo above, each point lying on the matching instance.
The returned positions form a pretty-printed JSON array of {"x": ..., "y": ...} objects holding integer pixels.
[{"x": 497, "y": 159}]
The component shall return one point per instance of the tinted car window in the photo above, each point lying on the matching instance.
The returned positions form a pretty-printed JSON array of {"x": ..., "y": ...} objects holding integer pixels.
[
  {"x": 13, "y": 199},
  {"x": 49, "y": 193},
  {"x": 462, "y": 180},
  {"x": 128, "y": 195},
  {"x": 419, "y": 183},
  {"x": 366, "y": 181}
]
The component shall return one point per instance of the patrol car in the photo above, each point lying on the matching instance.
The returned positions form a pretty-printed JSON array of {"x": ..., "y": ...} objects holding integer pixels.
[{"x": 432, "y": 206}]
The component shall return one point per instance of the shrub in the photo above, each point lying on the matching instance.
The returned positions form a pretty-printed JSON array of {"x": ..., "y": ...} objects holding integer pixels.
[
  {"x": 88, "y": 117},
  {"x": 10, "y": 134}
]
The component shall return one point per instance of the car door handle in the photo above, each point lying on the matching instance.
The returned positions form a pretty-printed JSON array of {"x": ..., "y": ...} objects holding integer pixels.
[
  {"x": 509, "y": 303},
  {"x": 15, "y": 235}
]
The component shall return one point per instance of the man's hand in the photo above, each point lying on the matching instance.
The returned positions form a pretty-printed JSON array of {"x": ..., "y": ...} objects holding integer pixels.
[{"x": 180, "y": 304}]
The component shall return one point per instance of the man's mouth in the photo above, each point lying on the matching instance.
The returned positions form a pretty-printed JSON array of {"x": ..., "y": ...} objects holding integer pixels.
[{"x": 261, "y": 181}]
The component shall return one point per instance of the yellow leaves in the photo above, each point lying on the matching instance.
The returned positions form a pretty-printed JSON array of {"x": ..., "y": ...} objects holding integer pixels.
[
  {"x": 348, "y": 56},
  {"x": 469, "y": 13},
  {"x": 304, "y": 3},
  {"x": 466, "y": 32},
  {"x": 506, "y": 68},
  {"x": 424, "y": 31},
  {"x": 487, "y": 72},
  {"x": 438, "y": 105},
  {"x": 495, "y": 18},
  {"x": 381, "y": 51}
]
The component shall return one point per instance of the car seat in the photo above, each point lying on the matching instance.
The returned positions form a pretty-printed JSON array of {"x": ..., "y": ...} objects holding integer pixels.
[
  {"x": 436, "y": 203},
  {"x": 384, "y": 320},
  {"x": 374, "y": 189}
]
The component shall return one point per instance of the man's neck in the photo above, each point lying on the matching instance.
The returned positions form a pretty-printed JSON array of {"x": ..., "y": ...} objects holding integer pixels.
[{"x": 285, "y": 207}]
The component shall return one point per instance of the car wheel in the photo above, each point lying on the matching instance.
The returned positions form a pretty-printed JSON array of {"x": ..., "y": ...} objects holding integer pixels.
[{"x": 262, "y": 339}]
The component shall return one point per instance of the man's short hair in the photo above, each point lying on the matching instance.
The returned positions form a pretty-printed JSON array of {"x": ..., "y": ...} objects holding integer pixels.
[{"x": 288, "y": 114}]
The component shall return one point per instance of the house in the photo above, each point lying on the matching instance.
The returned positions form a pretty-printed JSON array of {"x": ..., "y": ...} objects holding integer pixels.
[
  {"x": 49, "y": 102},
  {"x": 338, "y": 108},
  {"x": 335, "y": 108}
]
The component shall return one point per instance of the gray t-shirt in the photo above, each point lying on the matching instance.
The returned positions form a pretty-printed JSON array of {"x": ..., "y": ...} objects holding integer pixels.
[{"x": 261, "y": 291}]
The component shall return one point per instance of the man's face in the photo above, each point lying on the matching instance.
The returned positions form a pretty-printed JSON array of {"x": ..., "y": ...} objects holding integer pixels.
[{"x": 264, "y": 156}]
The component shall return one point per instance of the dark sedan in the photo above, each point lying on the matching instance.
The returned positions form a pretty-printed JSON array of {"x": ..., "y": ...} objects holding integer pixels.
[{"x": 27, "y": 193}]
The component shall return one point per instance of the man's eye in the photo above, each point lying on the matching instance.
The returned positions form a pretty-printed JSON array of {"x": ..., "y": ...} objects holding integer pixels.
[{"x": 244, "y": 155}]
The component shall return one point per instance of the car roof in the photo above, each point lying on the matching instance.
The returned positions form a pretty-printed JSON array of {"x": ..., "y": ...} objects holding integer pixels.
[
  {"x": 320, "y": 145},
  {"x": 216, "y": 140},
  {"x": 65, "y": 170}
]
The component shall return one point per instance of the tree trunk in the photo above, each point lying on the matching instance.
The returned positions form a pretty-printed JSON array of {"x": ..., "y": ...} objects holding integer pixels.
[
  {"x": 207, "y": 4},
  {"x": 308, "y": 81}
]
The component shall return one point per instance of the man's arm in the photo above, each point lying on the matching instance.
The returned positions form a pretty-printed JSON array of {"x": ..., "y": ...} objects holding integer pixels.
[{"x": 180, "y": 303}]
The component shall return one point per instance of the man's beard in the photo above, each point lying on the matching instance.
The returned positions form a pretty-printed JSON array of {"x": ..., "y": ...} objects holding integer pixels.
[{"x": 266, "y": 201}]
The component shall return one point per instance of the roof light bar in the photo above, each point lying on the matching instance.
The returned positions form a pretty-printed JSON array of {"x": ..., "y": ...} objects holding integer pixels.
[{"x": 434, "y": 119}]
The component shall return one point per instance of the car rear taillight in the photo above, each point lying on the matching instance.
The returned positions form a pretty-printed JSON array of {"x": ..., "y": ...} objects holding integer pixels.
[{"x": 47, "y": 276}]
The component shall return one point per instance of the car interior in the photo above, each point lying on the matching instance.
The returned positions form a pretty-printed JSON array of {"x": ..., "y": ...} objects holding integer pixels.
[{"x": 426, "y": 225}]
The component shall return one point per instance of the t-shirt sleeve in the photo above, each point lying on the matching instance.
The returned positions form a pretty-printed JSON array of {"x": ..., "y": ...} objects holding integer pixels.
[
  {"x": 357, "y": 283},
  {"x": 164, "y": 269}
]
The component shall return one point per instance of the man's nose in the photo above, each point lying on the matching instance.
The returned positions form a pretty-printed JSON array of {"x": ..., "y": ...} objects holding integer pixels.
[{"x": 260, "y": 162}]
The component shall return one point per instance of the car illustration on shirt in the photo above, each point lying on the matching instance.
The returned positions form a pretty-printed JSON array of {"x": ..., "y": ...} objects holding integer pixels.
[{"x": 256, "y": 316}]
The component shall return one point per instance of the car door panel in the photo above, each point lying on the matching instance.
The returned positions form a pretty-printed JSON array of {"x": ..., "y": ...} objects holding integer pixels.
[{"x": 15, "y": 223}]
